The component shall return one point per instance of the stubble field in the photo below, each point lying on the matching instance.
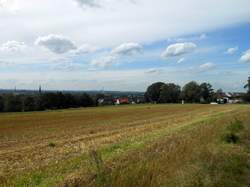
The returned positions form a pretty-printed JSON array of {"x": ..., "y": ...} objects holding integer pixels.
[{"x": 139, "y": 145}]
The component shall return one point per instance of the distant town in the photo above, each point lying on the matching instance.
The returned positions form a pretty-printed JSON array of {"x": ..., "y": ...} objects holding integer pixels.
[{"x": 38, "y": 100}]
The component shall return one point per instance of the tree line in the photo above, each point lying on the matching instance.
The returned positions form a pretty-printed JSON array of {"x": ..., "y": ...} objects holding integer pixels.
[
  {"x": 192, "y": 92},
  {"x": 158, "y": 92},
  {"x": 44, "y": 101}
]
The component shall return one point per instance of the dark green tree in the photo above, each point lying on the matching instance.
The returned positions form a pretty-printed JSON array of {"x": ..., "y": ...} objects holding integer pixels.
[
  {"x": 39, "y": 104},
  {"x": 247, "y": 95},
  {"x": 1, "y": 104},
  {"x": 70, "y": 101},
  {"x": 247, "y": 86},
  {"x": 153, "y": 92},
  {"x": 191, "y": 92},
  {"x": 50, "y": 101},
  {"x": 29, "y": 103},
  {"x": 12, "y": 103},
  {"x": 86, "y": 100},
  {"x": 206, "y": 92},
  {"x": 170, "y": 93}
]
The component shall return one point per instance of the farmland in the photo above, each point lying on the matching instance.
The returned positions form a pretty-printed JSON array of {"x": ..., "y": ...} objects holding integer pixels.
[{"x": 140, "y": 145}]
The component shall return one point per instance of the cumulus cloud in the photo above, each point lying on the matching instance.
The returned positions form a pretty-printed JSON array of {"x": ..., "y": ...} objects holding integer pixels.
[
  {"x": 245, "y": 57},
  {"x": 127, "y": 49},
  {"x": 115, "y": 22},
  {"x": 123, "y": 50},
  {"x": 104, "y": 61},
  {"x": 232, "y": 50},
  {"x": 11, "y": 5},
  {"x": 201, "y": 68},
  {"x": 207, "y": 66},
  {"x": 88, "y": 3},
  {"x": 97, "y": 3},
  {"x": 178, "y": 49},
  {"x": 56, "y": 43},
  {"x": 12, "y": 46},
  {"x": 84, "y": 49}
]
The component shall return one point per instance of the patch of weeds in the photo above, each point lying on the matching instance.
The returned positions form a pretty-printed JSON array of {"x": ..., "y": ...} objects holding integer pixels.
[
  {"x": 52, "y": 144},
  {"x": 232, "y": 132},
  {"x": 101, "y": 175},
  {"x": 32, "y": 179},
  {"x": 231, "y": 137},
  {"x": 115, "y": 147},
  {"x": 236, "y": 126}
]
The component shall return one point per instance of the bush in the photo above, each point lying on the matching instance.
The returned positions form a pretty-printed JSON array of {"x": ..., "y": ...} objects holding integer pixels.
[
  {"x": 231, "y": 137},
  {"x": 235, "y": 126},
  {"x": 52, "y": 144},
  {"x": 232, "y": 132}
]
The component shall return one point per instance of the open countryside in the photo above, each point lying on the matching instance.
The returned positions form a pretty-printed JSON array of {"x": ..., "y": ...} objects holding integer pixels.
[
  {"x": 131, "y": 145},
  {"x": 124, "y": 93}
]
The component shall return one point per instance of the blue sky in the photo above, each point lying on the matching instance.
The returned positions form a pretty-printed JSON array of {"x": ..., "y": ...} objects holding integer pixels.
[{"x": 125, "y": 45}]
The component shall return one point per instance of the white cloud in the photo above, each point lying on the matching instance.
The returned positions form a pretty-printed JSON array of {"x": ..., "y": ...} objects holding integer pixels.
[
  {"x": 104, "y": 61},
  {"x": 207, "y": 66},
  {"x": 97, "y": 3},
  {"x": 191, "y": 38},
  {"x": 153, "y": 71},
  {"x": 84, "y": 49},
  {"x": 127, "y": 49},
  {"x": 56, "y": 43},
  {"x": 88, "y": 3},
  {"x": 196, "y": 70},
  {"x": 67, "y": 66},
  {"x": 232, "y": 50},
  {"x": 123, "y": 50},
  {"x": 245, "y": 57},
  {"x": 178, "y": 49},
  {"x": 12, "y": 46},
  {"x": 11, "y": 5},
  {"x": 181, "y": 60},
  {"x": 144, "y": 21}
]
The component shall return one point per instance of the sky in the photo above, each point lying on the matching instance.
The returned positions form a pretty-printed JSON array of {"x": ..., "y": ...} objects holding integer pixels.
[{"x": 123, "y": 45}]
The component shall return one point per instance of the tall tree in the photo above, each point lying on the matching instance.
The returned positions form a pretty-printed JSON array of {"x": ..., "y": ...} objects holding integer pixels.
[
  {"x": 29, "y": 104},
  {"x": 1, "y": 104},
  {"x": 153, "y": 92},
  {"x": 86, "y": 100},
  {"x": 12, "y": 103},
  {"x": 207, "y": 92},
  {"x": 247, "y": 86},
  {"x": 191, "y": 92},
  {"x": 170, "y": 93}
]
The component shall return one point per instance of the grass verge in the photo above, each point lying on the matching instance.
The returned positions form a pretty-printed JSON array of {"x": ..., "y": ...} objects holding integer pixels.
[{"x": 198, "y": 156}]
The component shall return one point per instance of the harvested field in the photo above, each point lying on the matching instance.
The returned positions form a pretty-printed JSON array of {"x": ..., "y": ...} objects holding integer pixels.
[{"x": 52, "y": 148}]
